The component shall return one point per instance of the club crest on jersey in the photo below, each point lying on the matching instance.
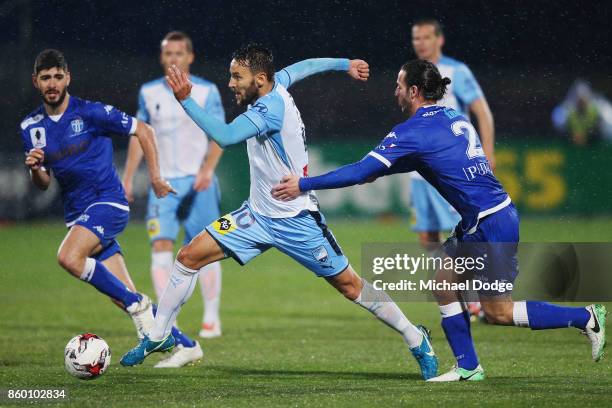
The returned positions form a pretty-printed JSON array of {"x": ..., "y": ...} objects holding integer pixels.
[
  {"x": 77, "y": 126},
  {"x": 38, "y": 137},
  {"x": 225, "y": 225},
  {"x": 320, "y": 254}
]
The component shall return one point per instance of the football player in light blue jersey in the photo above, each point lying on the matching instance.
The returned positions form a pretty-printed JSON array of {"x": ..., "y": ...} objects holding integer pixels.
[
  {"x": 431, "y": 212},
  {"x": 188, "y": 160},
  {"x": 276, "y": 142},
  {"x": 68, "y": 137},
  {"x": 443, "y": 146}
]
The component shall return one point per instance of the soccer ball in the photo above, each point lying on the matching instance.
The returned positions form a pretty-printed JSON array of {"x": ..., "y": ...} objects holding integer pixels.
[{"x": 87, "y": 356}]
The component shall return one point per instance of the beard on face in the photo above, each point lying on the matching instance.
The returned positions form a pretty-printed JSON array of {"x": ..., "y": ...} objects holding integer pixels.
[
  {"x": 250, "y": 94},
  {"x": 59, "y": 100}
]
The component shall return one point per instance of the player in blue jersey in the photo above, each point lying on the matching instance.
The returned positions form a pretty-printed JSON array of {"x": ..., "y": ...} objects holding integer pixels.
[
  {"x": 276, "y": 142},
  {"x": 69, "y": 138},
  {"x": 187, "y": 159},
  {"x": 432, "y": 213},
  {"x": 445, "y": 149}
]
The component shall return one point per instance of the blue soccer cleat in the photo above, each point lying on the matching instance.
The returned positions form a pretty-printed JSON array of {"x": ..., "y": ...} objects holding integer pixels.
[
  {"x": 425, "y": 355},
  {"x": 144, "y": 348}
]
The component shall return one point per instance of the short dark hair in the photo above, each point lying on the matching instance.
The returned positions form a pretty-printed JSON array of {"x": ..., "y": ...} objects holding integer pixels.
[
  {"x": 50, "y": 58},
  {"x": 432, "y": 22},
  {"x": 178, "y": 36},
  {"x": 427, "y": 79},
  {"x": 256, "y": 58}
]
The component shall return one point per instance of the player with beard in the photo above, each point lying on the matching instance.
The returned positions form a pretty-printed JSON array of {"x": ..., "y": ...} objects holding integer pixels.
[
  {"x": 69, "y": 137},
  {"x": 275, "y": 135}
]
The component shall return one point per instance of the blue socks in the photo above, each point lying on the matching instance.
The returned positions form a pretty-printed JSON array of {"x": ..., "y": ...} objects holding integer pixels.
[
  {"x": 544, "y": 315},
  {"x": 456, "y": 325},
  {"x": 99, "y": 277},
  {"x": 179, "y": 336}
]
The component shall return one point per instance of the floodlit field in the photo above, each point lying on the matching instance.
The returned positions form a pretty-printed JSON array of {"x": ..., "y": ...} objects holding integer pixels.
[{"x": 288, "y": 338}]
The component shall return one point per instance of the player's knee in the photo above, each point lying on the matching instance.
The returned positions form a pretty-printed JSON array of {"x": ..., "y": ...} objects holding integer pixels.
[
  {"x": 70, "y": 262},
  {"x": 351, "y": 292},
  {"x": 186, "y": 256},
  {"x": 498, "y": 316}
]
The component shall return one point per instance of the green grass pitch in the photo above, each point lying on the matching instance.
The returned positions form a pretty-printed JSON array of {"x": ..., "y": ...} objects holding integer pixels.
[{"x": 289, "y": 339}]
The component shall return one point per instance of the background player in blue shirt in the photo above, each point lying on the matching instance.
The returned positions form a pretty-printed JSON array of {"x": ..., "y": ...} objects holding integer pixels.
[
  {"x": 432, "y": 213},
  {"x": 69, "y": 138},
  {"x": 187, "y": 159},
  {"x": 444, "y": 148}
]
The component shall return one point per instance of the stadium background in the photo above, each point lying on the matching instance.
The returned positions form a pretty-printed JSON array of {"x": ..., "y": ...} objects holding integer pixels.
[{"x": 524, "y": 55}]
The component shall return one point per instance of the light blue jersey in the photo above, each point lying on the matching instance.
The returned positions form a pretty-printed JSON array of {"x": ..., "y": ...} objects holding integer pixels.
[
  {"x": 276, "y": 143},
  {"x": 463, "y": 89},
  {"x": 182, "y": 149}
]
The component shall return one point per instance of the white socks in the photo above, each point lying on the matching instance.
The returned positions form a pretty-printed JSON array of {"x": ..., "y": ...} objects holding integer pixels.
[
  {"x": 210, "y": 285},
  {"x": 178, "y": 291},
  {"x": 386, "y": 310},
  {"x": 161, "y": 268},
  {"x": 519, "y": 314}
]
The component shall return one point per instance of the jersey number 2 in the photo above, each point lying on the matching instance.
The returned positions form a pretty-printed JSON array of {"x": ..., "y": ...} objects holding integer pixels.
[{"x": 460, "y": 128}]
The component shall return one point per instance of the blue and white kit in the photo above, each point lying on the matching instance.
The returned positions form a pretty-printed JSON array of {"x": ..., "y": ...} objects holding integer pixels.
[
  {"x": 79, "y": 153},
  {"x": 182, "y": 148},
  {"x": 275, "y": 137},
  {"x": 431, "y": 211}
]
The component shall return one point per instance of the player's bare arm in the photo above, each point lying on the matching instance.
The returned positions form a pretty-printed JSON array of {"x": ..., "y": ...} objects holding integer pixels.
[
  {"x": 39, "y": 175},
  {"x": 134, "y": 157},
  {"x": 486, "y": 128},
  {"x": 146, "y": 137},
  {"x": 207, "y": 171}
]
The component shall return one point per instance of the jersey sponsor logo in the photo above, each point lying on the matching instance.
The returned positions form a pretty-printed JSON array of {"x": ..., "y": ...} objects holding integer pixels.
[
  {"x": 320, "y": 254},
  {"x": 432, "y": 113},
  {"x": 38, "y": 137},
  {"x": 479, "y": 169},
  {"x": 77, "y": 126},
  {"x": 225, "y": 224},
  {"x": 108, "y": 109},
  {"x": 260, "y": 107},
  {"x": 153, "y": 228}
]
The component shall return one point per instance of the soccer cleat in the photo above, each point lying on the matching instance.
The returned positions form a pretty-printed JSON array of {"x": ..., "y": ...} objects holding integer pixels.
[
  {"x": 425, "y": 356},
  {"x": 210, "y": 330},
  {"x": 142, "y": 315},
  {"x": 144, "y": 348},
  {"x": 461, "y": 374},
  {"x": 596, "y": 330},
  {"x": 182, "y": 356}
]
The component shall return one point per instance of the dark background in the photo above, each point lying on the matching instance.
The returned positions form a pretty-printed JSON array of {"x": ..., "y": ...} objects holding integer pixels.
[{"x": 524, "y": 54}]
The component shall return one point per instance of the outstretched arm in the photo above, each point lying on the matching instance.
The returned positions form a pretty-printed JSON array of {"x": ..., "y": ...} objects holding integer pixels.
[
  {"x": 366, "y": 170},
  {"x": 357, "y": 69}
]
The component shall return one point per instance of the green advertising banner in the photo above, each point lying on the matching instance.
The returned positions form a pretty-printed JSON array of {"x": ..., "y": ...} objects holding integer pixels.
[{"x": 542, "y": 177}]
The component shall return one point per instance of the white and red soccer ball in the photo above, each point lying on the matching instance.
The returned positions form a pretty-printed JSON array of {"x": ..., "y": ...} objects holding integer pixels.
[{"x": 87, "y": 356}]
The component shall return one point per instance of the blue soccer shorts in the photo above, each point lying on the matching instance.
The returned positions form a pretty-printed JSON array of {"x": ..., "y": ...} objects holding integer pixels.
[
  {"x": 244, "y": 234},
  {"x": 195, "y": 209},
  {"x": 431, "y": 211},
  {"x": 495, "y": 242},
  {"x": 106, "y": 221}
]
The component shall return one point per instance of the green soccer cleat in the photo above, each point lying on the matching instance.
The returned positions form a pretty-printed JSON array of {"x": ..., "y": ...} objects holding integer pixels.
[
  {"x": 144, "y": 348},
  {"x": 595, "y": 330},
  {"x": 461, "y": 374}
]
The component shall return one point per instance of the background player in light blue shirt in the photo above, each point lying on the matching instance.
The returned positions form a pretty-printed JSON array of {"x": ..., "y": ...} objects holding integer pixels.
[
  {"x": 445, "y": 148},
  {"x": 69, "y": 138},
  {"x": 188, "y": 159},
  {"x": 432, "y": 213}
]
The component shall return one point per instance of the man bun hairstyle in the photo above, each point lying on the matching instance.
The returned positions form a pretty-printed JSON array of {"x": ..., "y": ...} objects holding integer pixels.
[
  {"x": 50, "y": 58},
  {"x": 256, "y": 58},
  {"x": 426, "y": 77}
]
